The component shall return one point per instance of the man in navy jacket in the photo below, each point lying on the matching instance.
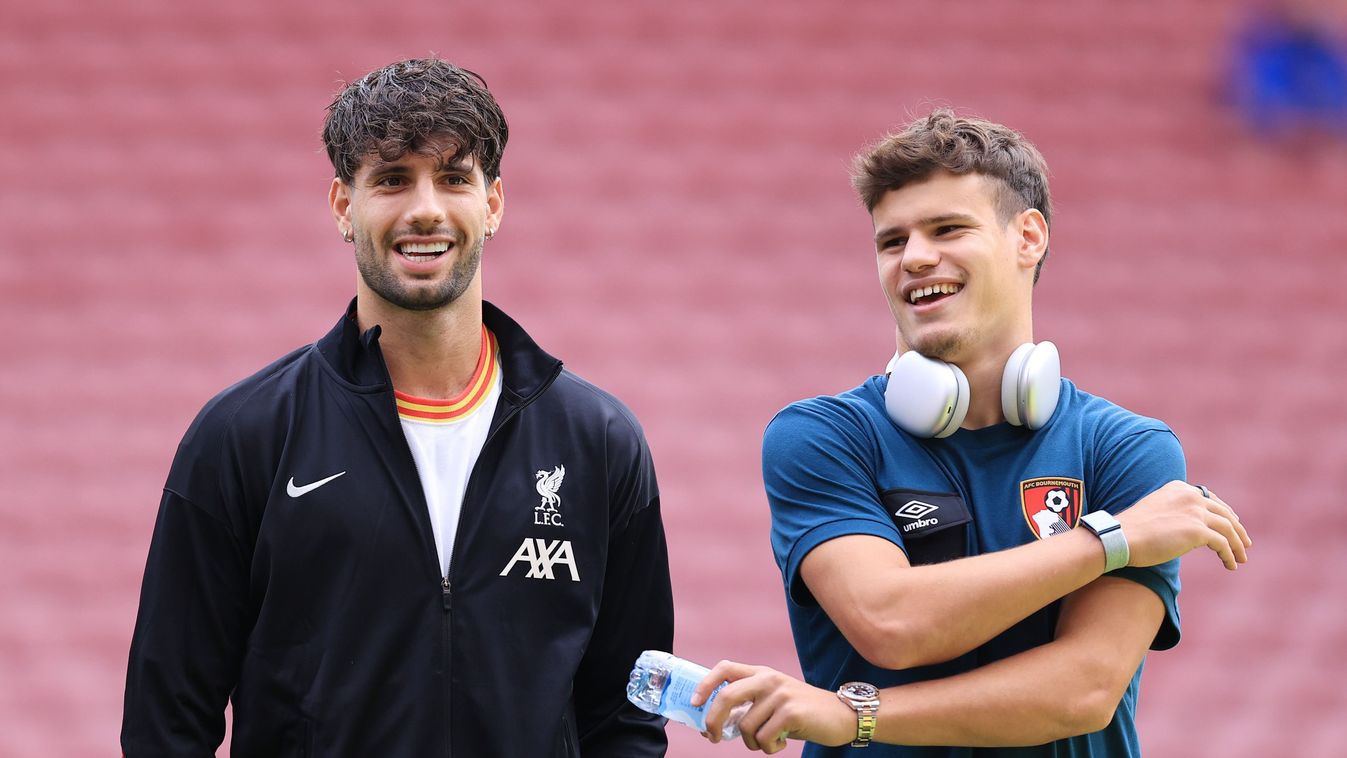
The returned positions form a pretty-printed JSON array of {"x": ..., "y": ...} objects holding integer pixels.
[{"x": 420, "y": 535}]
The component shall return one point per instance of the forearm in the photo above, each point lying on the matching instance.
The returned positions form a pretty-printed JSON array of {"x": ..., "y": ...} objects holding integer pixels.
[
  {"x": 1030, "y": 699},
  {"x": 929, "y": 614},
  {"x": 1039, "y": 696},
  {"x": 1066, "y": 687},
  {"x": 957, "y": 606},
  {"x": 1069, "y": 686}
]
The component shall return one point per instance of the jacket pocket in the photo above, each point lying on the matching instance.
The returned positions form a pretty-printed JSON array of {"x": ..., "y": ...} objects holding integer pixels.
[
  {"x": 934, "y": 525},
  {"x": 269, "y": 717},
  {"x": 570, "y": 739}
]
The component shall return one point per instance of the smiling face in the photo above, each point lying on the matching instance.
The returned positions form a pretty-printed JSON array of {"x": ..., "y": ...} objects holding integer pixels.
[
  {"x": 418, "y": 223},
  {"x": 957, "y": 274}
]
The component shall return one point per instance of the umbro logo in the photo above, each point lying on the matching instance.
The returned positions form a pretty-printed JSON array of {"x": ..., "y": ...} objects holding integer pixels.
[
  {"x": 294, "y": 491},
  {"x": 542, "y": 556},
  {"x": 916, "y": 511}
]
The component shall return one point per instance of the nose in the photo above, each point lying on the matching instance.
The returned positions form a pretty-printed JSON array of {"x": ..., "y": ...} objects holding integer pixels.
[
  {"x": 425, "y": 210},
  {"x": 919, "y": 253}
]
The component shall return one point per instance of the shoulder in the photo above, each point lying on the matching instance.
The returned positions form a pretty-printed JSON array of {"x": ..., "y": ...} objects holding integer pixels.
[
  {"x": 240, "y": 420},
  {"x": 852, "y": 416},
  {"x": 1105, "y": 420},
  {"x": 1136, "y": 448},
  {"x": 583, "y": 403},
  {"x": 264, "y": 391},
  {"x": 584, "y": 417}
]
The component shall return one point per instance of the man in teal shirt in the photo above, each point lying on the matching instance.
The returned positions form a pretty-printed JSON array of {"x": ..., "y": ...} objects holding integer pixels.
[{"x": 942, "y": 598}]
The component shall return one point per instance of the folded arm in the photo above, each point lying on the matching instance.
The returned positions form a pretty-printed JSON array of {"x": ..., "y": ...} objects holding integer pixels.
[
  {"x": 1069, "y": 686},
  {"x": 899, "y": 616},
  {"x": 838, "y": 547}
]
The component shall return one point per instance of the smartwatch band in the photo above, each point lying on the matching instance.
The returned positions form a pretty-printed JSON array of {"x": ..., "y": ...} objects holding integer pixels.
[{"x": 1110, "y": 533}]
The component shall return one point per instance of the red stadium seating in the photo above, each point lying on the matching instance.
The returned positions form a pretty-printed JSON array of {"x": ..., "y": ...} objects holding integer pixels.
[{"x": 681, "y": 231}]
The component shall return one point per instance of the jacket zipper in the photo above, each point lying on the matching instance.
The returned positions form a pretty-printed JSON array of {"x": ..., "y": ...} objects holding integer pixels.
[
  {"x": 446, "y": 583},
  {"x": 446, "y": 593},
  {"x": 447, "y": 597}
]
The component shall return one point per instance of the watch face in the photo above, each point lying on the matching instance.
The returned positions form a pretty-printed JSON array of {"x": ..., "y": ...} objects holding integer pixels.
[{"x": 859, "y": 691}]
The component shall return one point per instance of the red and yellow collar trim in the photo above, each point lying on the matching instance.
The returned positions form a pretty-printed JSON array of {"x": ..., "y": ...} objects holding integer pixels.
[{"x": 472, "y": 398}]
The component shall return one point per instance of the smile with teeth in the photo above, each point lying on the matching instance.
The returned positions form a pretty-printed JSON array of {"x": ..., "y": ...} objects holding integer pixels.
[
  {"x": 420, "y": 252},
  {"x": 933, "y": 290}
]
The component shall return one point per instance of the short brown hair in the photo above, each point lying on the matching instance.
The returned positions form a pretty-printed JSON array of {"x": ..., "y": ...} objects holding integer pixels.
[
  {"x": 423, "y": 105},
  {"x": 944, "y": 141}
]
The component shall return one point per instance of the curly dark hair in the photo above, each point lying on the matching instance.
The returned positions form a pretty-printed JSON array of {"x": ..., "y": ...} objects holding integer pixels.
[
  {"x": 943, "y": 141},
  {"x": 423, "y": 105}
]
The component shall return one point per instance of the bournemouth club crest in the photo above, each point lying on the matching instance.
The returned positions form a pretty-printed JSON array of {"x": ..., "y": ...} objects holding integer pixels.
[{"x": 1052, "y": 505}]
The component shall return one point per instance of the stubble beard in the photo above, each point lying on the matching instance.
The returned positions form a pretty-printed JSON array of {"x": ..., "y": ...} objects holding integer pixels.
[
  {"x": 942, "y": 346},
  {"x": 380, "y": 277}
]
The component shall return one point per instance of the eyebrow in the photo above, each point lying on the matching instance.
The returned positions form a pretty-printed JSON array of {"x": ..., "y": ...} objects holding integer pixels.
[
  {"x": 937, "y": 220},
  {"x": 463, "y": 165}
]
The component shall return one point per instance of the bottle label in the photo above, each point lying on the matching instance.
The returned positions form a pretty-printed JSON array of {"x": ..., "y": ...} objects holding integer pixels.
[{"x": 683, "y": 679}]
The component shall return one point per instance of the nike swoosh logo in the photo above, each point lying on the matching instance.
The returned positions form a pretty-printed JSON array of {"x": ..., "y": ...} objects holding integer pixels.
[{"x": 297, "y": 491}]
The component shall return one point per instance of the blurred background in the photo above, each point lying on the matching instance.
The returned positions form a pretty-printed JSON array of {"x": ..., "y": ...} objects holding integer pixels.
[{"x": 681, "y": 231}]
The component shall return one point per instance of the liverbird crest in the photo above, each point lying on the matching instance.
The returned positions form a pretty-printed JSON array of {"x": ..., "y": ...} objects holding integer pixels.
[{"x": 547, "y": 485}]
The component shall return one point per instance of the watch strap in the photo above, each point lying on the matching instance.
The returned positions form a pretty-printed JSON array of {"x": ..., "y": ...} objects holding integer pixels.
[
  {"x": 1110, "y": 534},
  {"x": 864, "y": 699},
  {"x": 865, "y": 725}
]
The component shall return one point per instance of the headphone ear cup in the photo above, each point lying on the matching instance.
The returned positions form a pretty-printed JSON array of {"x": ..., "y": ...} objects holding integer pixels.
[
  {"x": 960, "y": 411},
  {"x": 1041, "y": 386},
  {"x": 1031, "y": 384},
  {"x": 926, "y": 397},
  {"x": 1010, "y": 383}
]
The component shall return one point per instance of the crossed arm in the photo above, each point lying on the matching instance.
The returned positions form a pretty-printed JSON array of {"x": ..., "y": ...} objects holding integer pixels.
[
  {"x": 1069, "y": 686},
  {"x": 898, "y": 616}
]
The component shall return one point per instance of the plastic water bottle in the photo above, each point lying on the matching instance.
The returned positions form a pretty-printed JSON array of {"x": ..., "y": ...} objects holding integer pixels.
[{"x": 662, "y": 683}]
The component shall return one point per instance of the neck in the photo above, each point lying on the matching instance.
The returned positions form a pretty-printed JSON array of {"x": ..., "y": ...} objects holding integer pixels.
[
  {"x": 430, "y": 354},
  {"x": 984, "y": 372}
]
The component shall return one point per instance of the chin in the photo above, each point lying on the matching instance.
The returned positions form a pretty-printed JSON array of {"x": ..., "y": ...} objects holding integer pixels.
[{"x": 944, "y": 346}]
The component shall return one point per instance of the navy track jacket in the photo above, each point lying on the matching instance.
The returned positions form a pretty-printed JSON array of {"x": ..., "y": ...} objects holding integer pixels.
[{"x": 321, "y": 613}]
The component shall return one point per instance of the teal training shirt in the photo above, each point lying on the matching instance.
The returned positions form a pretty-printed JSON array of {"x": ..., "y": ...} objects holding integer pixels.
[{"x": 837, "y": 465}]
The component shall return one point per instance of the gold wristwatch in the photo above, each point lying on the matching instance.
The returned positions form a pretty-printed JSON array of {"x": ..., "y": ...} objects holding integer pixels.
[{"x": 864, "y": 699}]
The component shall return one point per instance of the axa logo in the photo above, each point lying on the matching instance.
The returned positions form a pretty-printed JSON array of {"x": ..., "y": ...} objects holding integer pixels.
[
  {"x": 915, "y": 511},
  {"x": 542, "y": 557},
  {"x": 548, "y": 484}
]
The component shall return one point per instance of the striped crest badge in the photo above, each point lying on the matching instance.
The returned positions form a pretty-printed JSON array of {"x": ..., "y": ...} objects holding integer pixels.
[{"x": 1052, "y": 504}]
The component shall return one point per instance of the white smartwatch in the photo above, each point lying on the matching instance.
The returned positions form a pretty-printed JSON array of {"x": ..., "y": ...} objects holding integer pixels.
[{"x": 1110, "y": 533}]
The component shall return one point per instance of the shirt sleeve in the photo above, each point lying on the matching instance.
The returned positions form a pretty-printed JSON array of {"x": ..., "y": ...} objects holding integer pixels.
[
  {"x": 1137, "y": 465},
  {"x": 635, "y": 613},
  {"x": 192, "y": 623},
  {"x": 818, "y": 468},
  {"x": 187, "y": 644}
]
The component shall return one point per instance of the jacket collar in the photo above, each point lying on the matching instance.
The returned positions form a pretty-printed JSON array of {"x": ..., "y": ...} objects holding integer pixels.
[{"x": 356, "y": 357}]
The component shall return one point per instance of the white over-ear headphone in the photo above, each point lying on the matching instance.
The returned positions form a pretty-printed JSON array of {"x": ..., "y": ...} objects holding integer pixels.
[{"x": 929, "y": 398}]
